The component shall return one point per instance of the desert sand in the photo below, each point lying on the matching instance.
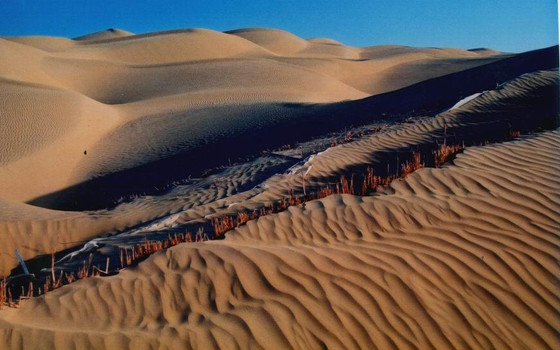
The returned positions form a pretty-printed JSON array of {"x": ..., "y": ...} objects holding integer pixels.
[{"x": 122, "y": 135}]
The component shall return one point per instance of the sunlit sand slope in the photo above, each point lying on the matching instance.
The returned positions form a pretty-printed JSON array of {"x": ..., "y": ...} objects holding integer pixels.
[
  {"x": 160, "y": 146},
  {"x": 459, "y": 257},
  {"x": 525, "y": 103},
  {"x": 59, "y": 96}
]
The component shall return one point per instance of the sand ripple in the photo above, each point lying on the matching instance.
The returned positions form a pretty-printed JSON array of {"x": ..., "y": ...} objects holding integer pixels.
[
  {"x": 432, "y": 264},
  {"x": 464, "y": 256}
]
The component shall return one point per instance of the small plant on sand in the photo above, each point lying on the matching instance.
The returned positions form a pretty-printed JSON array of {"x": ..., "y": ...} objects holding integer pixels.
[
  {"x": 444, "y": 153},
  {"x": 410, "y": 166},
  {"x": 371, "y": 182},
  {"x": 344, "y": 186},
  {"x": 6, "y": 298},
  {"x": 513, "y": 134},
  {"x": 129, "y": 256},
  {"x": 2, "y": 292}
]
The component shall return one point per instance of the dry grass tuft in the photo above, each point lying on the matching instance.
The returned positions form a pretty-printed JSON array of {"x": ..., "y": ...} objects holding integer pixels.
[
  {"x": 513, "y": 134},
  {"x": 370, "y": 183},
  {"x": 410, "y": 166},
  {"x": 445, "y": 152}
]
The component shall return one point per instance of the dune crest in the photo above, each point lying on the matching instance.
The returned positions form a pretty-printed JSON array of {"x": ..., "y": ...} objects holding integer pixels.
[{"x": 110, "y": 33}]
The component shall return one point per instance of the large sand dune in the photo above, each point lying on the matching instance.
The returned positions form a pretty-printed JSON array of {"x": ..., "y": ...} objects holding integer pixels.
[
  {"x": 460, "y": 257},
  {"x": 100, "y": 134},
  {"x": 140, "y": 76}
]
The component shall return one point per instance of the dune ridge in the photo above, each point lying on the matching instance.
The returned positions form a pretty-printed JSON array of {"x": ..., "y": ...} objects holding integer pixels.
[
  {"x": 282, "y": 123},
  {"x": 70, "y": 229},
  {"x": 139, "y": 76},
  {"x": 429, "y": 264}
]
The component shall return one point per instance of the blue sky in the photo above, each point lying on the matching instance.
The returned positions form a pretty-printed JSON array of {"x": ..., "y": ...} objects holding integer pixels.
[{"x": 507, "y": 25}]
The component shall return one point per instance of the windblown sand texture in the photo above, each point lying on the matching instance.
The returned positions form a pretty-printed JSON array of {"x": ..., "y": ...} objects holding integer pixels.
[
  {"x": 464, "y": 256},
  {"x": 129, "y": 100},
  {"x": 61, "y": 96},
  {"x": 459, "y": 257}
]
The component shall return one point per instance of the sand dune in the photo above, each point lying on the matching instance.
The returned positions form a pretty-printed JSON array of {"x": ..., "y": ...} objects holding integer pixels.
[
  {"x": 108, "y": 34},
  {"x": 251, "y": 126},
  {"x": 251, "y": 77},
  {"x": 177, "y": 46},
  {"x": 108, "y": 127},
  {"x": 431, "y": 263},
  {"x": 22, "y": 63},
  {"x": 486, "y": 117},
  {"x": 142, "y": 76},
  {"x": 278, "y": 41},
  {"x": 64, "y": 99},
  {"x": 44, "y": 135}
]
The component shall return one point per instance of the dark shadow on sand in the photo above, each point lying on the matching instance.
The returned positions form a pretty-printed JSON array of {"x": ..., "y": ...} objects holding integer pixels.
[{"x": 299, "y": 122}]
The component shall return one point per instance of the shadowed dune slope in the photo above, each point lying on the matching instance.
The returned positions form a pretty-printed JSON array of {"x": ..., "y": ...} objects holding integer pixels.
[
  {"x": 522, "y": 104},
  {"x": 459, "y": 257},
  {"x": 127, "y": 157},
  {"x": 525, "y": 103},
  {"x": 129, "y": 78}
]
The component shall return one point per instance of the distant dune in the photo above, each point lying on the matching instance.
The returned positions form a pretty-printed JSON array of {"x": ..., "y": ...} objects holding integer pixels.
[
  {"x": 113, "y": 132},
  {"x": 103, "y": 81},
  {"x": 108, "y": 34}
]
